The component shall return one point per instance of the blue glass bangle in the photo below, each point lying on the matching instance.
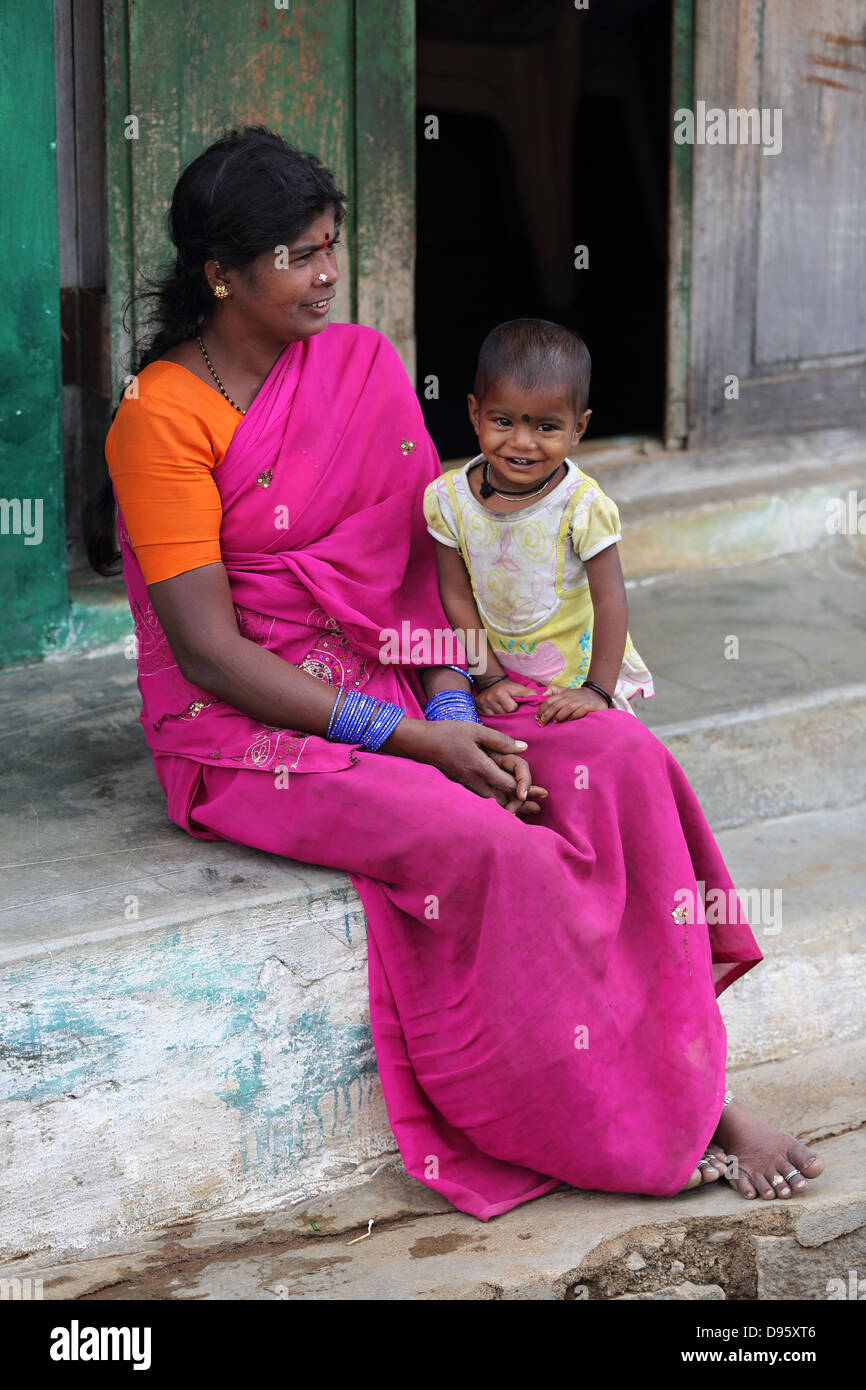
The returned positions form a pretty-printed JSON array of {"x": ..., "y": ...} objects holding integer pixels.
[
  {"x": 452, "y": 704},
  {"x": 446, "y": 667},
  {"x": 384, "y": 723},
  {"x": 364, "y": 720},
  {"x": 355, "y": 713},
  {"x": 334, "y": 711},
  {"x": 364, "y": 712},
  {"x": 350, "y": 700},
  {"x": 448, "y": 697}
]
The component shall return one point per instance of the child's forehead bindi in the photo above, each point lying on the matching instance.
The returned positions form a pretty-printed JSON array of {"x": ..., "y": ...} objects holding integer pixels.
[{"x": 529, "y": 406}]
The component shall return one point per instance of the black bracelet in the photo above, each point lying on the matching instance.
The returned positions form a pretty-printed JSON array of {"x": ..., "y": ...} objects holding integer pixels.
[
  {"x": 495, "y": 681},
  {"x": 591, "y": 685}
]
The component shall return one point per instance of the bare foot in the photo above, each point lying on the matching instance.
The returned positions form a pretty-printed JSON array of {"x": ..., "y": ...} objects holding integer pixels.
[
  {"x": 764, "y": 1154},
  {"x": 710, "y": 1168}
]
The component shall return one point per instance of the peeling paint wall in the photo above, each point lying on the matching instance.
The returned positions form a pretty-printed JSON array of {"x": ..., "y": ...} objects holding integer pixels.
[{"x": 216, "y": 1064}]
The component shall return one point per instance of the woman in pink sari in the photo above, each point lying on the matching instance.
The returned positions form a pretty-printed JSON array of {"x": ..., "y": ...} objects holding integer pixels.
[{"x": 543, "y": 1009}]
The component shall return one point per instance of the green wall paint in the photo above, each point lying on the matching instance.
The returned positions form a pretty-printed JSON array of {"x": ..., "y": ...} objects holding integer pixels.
[{"x": 33, "y": 598}]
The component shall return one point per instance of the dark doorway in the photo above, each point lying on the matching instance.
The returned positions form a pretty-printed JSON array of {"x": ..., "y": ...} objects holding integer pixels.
[{"x": 553, "y": 134}]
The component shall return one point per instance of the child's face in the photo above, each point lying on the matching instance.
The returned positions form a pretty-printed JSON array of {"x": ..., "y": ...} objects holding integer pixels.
[{"x": 523, "y": 434}]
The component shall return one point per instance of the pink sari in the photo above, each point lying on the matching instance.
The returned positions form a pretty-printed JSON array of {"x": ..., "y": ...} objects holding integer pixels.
[{"x": 542, "y": 1005}]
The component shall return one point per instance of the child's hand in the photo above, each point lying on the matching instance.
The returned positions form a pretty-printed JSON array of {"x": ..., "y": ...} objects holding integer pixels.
[
  {"x": 560, "y": 704},
  {"x": 501, "y": 698}
]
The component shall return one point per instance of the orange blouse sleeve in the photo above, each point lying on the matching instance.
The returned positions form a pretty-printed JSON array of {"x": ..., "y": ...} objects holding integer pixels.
[{"x": 161, "y": 452}]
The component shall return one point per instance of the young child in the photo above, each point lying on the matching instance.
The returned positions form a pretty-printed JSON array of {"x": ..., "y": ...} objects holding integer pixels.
[{"x": 527, "y": 542}]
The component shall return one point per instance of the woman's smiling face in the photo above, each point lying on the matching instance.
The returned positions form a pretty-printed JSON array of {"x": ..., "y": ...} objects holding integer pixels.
[{"x": 287, "y": 292}]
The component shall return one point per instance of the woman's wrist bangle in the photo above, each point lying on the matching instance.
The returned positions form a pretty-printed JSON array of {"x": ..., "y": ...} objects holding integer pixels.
[
  {"x": 363, "y": 720},
  {"x": 382, "y": 725},
  {"x": 599, "y": 690},
  {"x": 487, "y": 684},
  {"x": 452, "y": 704}
]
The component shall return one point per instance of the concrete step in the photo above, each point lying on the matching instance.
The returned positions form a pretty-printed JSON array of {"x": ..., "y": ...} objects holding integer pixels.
[
  {"x": 570, "y": 1245},
  {"x": 732, "y": 505},
  {"x": 807, "y": 873},
  {"x": 780, "y": 726}
]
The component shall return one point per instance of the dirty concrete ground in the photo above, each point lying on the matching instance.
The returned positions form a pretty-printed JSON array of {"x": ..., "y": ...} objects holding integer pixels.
[{"x": 703, "y": 1245}]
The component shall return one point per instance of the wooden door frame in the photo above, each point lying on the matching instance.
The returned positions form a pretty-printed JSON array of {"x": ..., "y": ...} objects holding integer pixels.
[
  {"x": 676, "y": 422},
  {"x": 385, "y": 222}
]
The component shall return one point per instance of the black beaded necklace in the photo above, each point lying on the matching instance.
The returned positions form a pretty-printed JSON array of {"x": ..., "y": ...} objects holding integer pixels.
[
  {"x": 217, "y": 380},
  {"x": 487, "y": 489}
]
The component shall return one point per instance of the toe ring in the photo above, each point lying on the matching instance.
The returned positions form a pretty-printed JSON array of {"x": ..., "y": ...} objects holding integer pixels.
[
  {"x": 794, "y": 1173},
  {"x": 702, "y": 1161},
  {"x": 777, "y": 1180}
]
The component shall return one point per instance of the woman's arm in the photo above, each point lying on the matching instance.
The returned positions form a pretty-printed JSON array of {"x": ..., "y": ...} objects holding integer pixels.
[{"x": 198, "y": 618}]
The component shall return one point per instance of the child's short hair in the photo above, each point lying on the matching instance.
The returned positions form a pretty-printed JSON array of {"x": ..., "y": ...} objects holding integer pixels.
[{"x": 534, "y": 353}]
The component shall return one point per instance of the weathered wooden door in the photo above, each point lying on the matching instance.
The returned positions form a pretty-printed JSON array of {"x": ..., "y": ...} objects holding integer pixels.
[
  {"x": 326, "y": 74},
  {"x": 778, "y": 244}
]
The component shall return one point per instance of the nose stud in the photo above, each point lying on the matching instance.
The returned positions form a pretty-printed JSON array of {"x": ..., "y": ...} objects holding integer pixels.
[{"x": 323, "y": 279}]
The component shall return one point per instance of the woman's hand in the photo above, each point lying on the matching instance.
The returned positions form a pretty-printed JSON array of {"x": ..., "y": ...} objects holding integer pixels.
[
  {"x": 560, "y": 704},
  {"x": 528, "y": 794},
  {"x": 482, "y": 759},
  {"x": 501, "y": 698}
]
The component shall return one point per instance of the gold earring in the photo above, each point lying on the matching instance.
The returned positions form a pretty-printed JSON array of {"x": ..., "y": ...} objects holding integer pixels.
[{"x": 221, "y": 291}]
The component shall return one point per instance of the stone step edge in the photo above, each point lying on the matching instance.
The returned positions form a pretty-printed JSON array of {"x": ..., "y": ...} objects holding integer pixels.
[
  {"x": 777, "y": 708},
  {"x": 760, "y": 485},
  {"x": 183, "y": 917},
  {"x": 644, "y": 1225}
]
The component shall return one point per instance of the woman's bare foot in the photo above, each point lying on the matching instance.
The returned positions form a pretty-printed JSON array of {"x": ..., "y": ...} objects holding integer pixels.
[
  {"x": 710, "y": 1168},
  {"x": 762, "y": 1154}
]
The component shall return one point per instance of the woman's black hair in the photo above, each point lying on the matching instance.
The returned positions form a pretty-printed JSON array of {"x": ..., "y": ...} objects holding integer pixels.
[{"x": 247, "y": 193}]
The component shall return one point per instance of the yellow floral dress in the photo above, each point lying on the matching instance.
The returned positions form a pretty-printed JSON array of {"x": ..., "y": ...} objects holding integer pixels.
[{"x": 528, "y": 575}]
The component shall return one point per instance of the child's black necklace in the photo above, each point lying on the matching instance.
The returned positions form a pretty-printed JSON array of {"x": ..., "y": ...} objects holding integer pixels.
[{"x": 487, "y": 489}]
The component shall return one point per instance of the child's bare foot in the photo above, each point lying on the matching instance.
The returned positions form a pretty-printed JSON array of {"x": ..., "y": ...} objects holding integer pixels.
[
  {"x": 770, "y": 1163},
  {"x": 710, "y": 1168}
]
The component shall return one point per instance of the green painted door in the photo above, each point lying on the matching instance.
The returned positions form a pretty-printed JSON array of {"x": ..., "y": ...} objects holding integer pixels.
[{"x": 328, "y": 75}]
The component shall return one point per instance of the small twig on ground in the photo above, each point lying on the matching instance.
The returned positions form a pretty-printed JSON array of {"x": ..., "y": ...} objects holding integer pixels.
[{"x": 366, "y": 1233}]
